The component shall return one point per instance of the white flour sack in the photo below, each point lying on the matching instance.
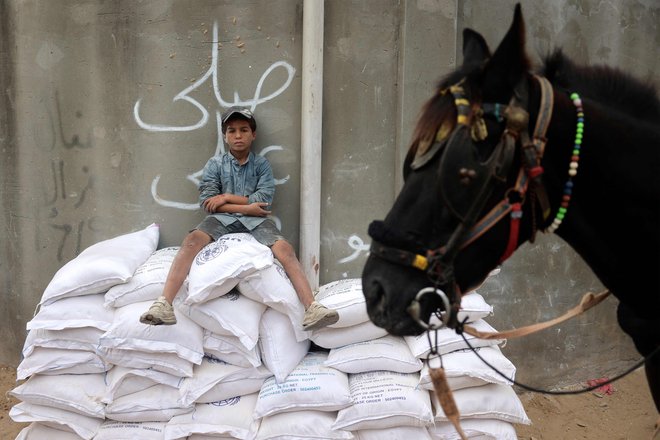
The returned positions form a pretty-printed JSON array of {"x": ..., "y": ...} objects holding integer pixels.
[
  {"x": 102, "y": 265},
  {"x": 311, "y": 385},
  {"x": 280, "y": 350},
  {"x": 231, "y": 350},
  {"x": 158, "y": 403},
  {"x": 492, "y": 401},
  {"x": 121, "y": 381},
  {"x": 79, "y": 393},
  {"x": 330, "y": 337},
  {"x": 485, "y": 429},
  {"x": 213, "y": 379},
  {"x": 398, "y": 433},
  {"x": 230, "y": 417},
  {"x": 53, "y": 361},
  {"x": 346, "y": 297},
  {"x": 130, "y": 343},
  {"x": 301, "y": 425},
  {"x": 464, "y": 369},
  {"x": 38, "y": 431},
  {"x": 221, "y": 264},
  {"x": 84, "y": 426},
  {"x": 448, "y": 340},
  {"x": 146, "y": 283},
  {"x": 389, "y": 353},
  {"x": 82, "y": 338},
  {"x": 114, "y": 430},
  {"x": 272, "y": 287},
  {"x": 473, "y": 308},
  {"x": 74, "y": 312},
  {"x": 385, "y": 399},
  {"x": 232, "y": 314}
]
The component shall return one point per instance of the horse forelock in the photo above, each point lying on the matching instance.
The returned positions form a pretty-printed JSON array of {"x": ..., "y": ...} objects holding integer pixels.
[
  {"x": 609, "y": 86},
  {"x": 435, "y": 111}
]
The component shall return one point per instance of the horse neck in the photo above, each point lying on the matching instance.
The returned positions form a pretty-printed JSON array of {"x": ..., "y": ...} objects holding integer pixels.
[{"x": 616, "y": 195}]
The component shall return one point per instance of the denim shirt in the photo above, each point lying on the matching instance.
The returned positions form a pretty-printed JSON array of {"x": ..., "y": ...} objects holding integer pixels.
[{"x": 254, "y": 180}]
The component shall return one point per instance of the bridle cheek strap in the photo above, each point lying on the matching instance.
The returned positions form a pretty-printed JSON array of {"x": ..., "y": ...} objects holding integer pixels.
[{"x": 514, "y": 231}]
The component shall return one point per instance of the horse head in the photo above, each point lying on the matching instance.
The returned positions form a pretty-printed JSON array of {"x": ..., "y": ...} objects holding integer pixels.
[{"x": 462, "y": 168}]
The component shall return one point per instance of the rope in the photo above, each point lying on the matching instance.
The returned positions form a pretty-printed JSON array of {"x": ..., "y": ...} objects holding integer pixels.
[{"x": 556, "y": 392}]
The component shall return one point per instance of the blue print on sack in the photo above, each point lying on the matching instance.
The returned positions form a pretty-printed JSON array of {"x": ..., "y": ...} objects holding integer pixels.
[
  {"x": 227, "y": 402},
  {"x": 214, "y": 360},
  {"x": 210, "y": 252},
  {"x": 232, "y": 295}
]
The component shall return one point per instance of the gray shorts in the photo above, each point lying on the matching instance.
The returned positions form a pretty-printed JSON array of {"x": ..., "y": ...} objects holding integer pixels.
[{"x": 266, "y": 233}]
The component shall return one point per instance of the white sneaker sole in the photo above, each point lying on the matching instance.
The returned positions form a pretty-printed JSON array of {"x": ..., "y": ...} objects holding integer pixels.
[{"x": 150, "y": 319}]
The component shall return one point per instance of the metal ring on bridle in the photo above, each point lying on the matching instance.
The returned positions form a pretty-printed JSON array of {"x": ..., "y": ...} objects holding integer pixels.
[{"x": 414, "y": 308}]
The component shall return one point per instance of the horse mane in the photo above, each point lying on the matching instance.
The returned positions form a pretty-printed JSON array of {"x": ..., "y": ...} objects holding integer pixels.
[{"x": 607, "y": 85}]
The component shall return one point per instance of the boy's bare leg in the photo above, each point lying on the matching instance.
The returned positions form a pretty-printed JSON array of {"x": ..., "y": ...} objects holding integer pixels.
[
  {"x": 285, "y": 254},
  {"x": 192, "y": 244},
  {"x": 160, "y": 312},
  {"x": 316, "y": 315}
]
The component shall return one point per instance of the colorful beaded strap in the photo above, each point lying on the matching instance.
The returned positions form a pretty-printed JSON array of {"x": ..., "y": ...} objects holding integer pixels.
[{"x": 572, "y": 167}]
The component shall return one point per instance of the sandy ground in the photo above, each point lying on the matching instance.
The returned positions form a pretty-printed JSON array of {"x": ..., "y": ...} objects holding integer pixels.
[{"x": 627, "y": 413}]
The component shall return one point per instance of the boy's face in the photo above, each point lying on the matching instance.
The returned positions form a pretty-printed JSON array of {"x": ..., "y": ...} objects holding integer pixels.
[{"x": 239, "y": 136}]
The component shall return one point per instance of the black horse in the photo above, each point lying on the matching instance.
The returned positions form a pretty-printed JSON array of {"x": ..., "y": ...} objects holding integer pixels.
[{"x": 494, "y": 159}]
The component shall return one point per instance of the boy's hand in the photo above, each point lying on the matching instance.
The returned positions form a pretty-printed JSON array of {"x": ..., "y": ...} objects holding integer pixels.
[
  {"x": 213, "y": 203},
  {"x": 257, "y": 209}
]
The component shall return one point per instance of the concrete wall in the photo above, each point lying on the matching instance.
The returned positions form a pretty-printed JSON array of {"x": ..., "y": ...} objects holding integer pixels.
[{"x": 110, "y": 112}]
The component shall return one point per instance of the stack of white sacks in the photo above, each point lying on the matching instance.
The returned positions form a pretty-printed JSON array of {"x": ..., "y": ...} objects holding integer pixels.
[{"x": 238, "y": 365}]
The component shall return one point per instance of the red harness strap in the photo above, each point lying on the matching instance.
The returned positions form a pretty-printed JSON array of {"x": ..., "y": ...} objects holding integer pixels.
[{"x": 514, "y": 230}]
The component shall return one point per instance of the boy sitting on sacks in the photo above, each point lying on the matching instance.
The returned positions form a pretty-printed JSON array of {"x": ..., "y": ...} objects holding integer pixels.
[{"x": 236, "y": 190}]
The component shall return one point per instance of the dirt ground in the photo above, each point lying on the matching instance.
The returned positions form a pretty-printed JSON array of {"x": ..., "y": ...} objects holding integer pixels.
[{"x": 627, "y": 413}]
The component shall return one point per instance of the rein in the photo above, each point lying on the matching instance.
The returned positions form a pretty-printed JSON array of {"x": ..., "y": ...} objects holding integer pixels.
[{"x": 477, "y": 177}]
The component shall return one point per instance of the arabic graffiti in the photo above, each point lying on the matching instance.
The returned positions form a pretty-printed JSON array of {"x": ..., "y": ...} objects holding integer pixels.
[
  {"x": 184, "y": 95},
  {"x": 212, "y": 75},
  {"x": 355, "y": 243},
  {"x": 66, "y": 188}
]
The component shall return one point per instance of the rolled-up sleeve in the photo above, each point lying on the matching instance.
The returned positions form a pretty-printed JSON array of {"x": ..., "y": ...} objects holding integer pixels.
[
  {"x": 211, "y": 184},
  {"x": 265, "y": 187}
]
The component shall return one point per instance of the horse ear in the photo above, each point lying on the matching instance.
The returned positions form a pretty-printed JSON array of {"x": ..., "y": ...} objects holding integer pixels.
[
  {"x": 475, "y": 48},
  {"x": 510, "y": 61}
]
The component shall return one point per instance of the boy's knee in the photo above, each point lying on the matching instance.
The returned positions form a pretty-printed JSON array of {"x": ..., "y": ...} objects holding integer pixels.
[
  {"x": 196, "y": 239},
  {"x": 283, "y": 249}
]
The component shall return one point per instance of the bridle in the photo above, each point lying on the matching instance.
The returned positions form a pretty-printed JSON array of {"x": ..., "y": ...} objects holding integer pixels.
[{"x": 477, "y": 179}]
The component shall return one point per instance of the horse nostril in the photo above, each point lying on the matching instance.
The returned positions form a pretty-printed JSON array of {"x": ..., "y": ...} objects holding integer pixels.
[{"x": 375, "y": 294}]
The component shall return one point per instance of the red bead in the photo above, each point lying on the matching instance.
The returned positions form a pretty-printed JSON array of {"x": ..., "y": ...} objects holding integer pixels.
[{"x": 575, "y": 158}]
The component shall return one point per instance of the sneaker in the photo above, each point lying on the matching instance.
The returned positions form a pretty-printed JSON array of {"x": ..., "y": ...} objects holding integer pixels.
[
  {"x": 160, "y": 312},
  {"x": 317, "y": 316}
]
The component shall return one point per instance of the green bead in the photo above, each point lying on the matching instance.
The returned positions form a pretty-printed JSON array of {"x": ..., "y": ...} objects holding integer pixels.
[
  {"x": 576, "y": 152},
  {"x": 580, "y": 129},
  {"x": 578, "y": 135},
  {"x": 578, "y": 141},
  {"x": 562, "y": 210},
  {"x": 580, "y": 125},
  {"x": 560, "y": 216},
  {"x": 574, "y": 96}
]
